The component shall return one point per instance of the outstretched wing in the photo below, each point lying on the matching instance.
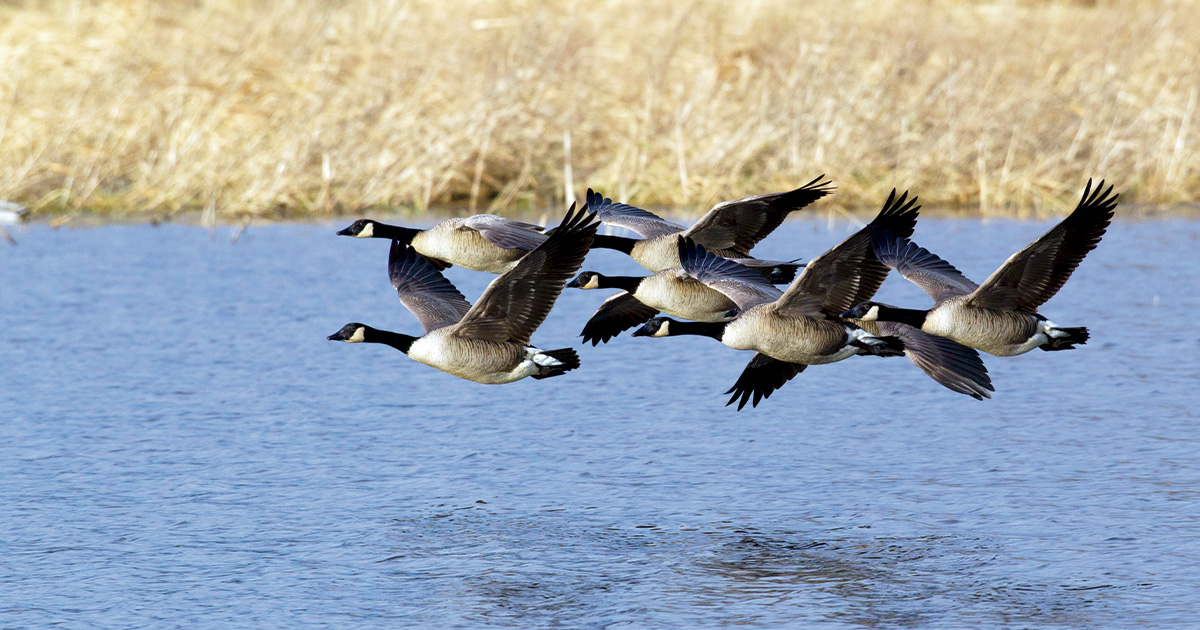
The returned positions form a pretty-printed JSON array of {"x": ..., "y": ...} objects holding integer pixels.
[
  {"x": 732, "y": 228},
  {"x": 617, "y": 314},
  {"x": 645, "y": 223},
  {"x": 953, "y": 365},
  {"x": 850, "y": 273},
  {"x": 423, "y": 289},
  {"x": 1034, "y": 274},
  {"x": 919, "y": 266},
  {"x": 517, "y": 301},
  {"x": 745, "y": 286},
  {"x": 506, "y": 233},
  {"x": 762, "y": 376}
]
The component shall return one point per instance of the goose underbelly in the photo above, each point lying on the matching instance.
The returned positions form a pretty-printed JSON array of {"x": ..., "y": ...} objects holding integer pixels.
[
  {"x": 792, "y": 339},
  {"x": 466, "y": 248},
  {"x": 681, "y": 296},
  {"x": 487, "y": 362},
  {"x": 658, "y": 253},
  {"x": 1000, "y": 333}
]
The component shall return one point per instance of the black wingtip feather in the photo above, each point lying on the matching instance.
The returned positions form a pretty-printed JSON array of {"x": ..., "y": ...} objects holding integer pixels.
[
  {"x": 898, "y": 215},
  {"x": 762, "y": 376}
]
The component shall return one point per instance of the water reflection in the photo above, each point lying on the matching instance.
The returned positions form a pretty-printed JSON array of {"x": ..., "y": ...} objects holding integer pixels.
[{"x": 545, "y": 568}]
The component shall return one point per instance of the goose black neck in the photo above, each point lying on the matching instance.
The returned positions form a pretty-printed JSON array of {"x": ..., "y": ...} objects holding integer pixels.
[
  {"x": 704, "y": 329},
  {"x": 912, "y": 317},
  {"x": 394, "y": 232},
  {"x": 626, "y": 283},
  {"x": 619, "y": 243},
  {"x": 398, "y": 341}
]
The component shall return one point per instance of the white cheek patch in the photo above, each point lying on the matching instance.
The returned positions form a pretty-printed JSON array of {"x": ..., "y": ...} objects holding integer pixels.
[
  {"x": 358, "y": 336},
  {"x": 662, "y": 330},
  {"x": 367, "y": 232},
  {"x": 872, "y": 314},
  {"x": 592, "y": 283}
]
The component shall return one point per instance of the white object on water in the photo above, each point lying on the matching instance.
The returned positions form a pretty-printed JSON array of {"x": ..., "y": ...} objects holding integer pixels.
[{"x": 11, "y": 213}]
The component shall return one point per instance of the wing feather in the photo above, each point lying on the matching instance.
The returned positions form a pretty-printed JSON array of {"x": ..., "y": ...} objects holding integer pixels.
[
  {"x": 517, "y": 301},
  {"x": 732, "y": 228},
  {"x": 506, "y": 233},
  {"x": 953, "y": 365},
  {"x": 741, "y": 284},
  {"x": 645, "y": 223},
  {"x": 850, "y": 273},
  {"x": 423, "y": 289},
  {"x": 919, "y": 266},
  {"x": 617, "y": 314},
  {"x": 762, "y": 376},
  {"x": 1034, "y": 274}
]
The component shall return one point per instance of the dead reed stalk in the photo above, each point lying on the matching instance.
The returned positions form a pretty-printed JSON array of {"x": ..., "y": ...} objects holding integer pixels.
[{"x": 268, "y": 109}]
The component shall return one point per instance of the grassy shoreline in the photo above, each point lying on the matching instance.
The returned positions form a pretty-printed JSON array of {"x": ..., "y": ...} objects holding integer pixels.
[{"x": 265, "y": 110}]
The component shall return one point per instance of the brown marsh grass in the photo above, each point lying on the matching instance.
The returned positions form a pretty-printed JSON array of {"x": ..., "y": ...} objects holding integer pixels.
[{"x": 267, "y": 109}]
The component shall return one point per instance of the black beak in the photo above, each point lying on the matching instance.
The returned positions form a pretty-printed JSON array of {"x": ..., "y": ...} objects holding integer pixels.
[
  {"x": 573, "y": 284},
  {"x": 334, "y": 337},
  {"x": 848, "y": 315},
  {"x": 641, "y": 332},
  {"x": 345, "y": 232}
]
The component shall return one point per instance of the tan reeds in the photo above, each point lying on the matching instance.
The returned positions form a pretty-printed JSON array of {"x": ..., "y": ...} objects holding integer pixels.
[{"x": 273, "y": 108}]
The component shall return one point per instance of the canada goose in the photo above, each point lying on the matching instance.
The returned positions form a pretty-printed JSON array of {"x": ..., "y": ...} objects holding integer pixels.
[
  {"x": 953, "y": 365},
  {"x": 489, "y": 342},
  {"x": 999, "y": 316},
  {"x": 793, "y": 329},
  {"x": 484, "y": 242},
  {"x": 671, "y": 291},
  {"x": 731, "y": 229}
]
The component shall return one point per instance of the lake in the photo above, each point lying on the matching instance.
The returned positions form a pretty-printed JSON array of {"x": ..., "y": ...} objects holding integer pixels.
[{"x": 181, "y": 447}]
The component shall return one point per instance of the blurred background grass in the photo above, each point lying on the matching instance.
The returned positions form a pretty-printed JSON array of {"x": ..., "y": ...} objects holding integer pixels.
[{"x": 300, "y": 107}]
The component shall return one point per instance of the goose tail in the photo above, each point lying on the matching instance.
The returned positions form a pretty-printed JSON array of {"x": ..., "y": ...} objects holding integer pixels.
[
  {"x": 885, "y": 346},
  {"x": 1065, "y": 338},
  {"x": 566, "y": 359}
]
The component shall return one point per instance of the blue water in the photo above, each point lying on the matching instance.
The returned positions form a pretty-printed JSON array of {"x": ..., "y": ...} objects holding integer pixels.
[{"x": 181, "y": 447}]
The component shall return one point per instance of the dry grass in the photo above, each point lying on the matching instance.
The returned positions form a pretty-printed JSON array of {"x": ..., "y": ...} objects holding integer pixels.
[{"x": 293, "y": 107}]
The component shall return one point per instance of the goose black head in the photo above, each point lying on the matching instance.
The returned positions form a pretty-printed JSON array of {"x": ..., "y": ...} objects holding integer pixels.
[
  {"x": 656, "y": 327},
  {"x": 353, "y": 332},
  {"x": 362, "y": 228},
  {"x": 585, "y": 280},
  {"x": 865, "y": 311}
]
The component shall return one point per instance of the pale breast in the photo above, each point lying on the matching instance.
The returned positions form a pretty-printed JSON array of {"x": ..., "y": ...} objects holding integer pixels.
[
  {"x": 465, "y": 248},
  {"x": 992, "y": 331},
  {"x": 489, "y": 362},
  {"x": 658, "y": 253},
  {"x": 797, "y": 339},
  {"x": 675, "y": 293}
]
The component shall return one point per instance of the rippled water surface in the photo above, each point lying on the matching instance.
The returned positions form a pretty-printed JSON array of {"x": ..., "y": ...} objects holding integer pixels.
[{"x": 181, "y": 447}]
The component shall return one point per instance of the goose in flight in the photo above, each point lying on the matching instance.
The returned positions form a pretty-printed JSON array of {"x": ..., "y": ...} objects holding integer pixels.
[
  {"x": 999, "y": 316},
  {"x": 671, "y": 291},
  {"x": 488, "y": 342},
  {"x": 731, "y": 229},
  {"x": 799, "y": 327},
  {"x": 484, "y": 242}
]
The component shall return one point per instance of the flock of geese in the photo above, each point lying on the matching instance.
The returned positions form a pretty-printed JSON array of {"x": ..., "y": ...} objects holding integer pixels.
[{"x": 706, "y": 275}]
